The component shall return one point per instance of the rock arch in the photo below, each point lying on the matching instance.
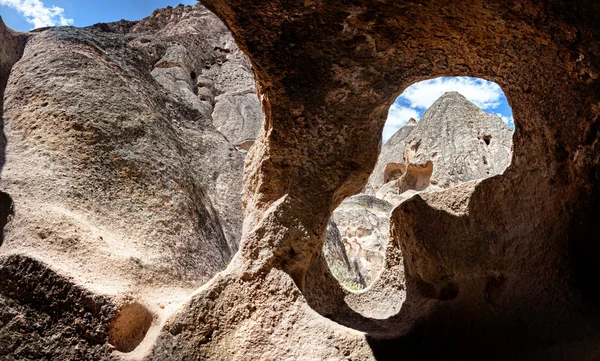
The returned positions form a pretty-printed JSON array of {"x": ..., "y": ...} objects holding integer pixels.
[{"x": 480, "y": 261}]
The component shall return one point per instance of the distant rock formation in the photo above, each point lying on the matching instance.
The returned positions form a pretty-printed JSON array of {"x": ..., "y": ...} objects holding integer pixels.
[
  {"x": 461, "y": 141},
  {"x": 363, "y": 224},
  {"x": 453, "y": 143}
]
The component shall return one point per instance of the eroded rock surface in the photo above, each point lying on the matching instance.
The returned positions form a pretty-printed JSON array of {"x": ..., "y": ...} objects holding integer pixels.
[
  {"x": 455, "y": 142},
  {"x": 200, "y": 62},
  {"x": 363, "y": 223},
  {"x": 461, "y": 141},
  {"x": 116, "y": 178},
  {"x": 502, "y": 268},
  {"x": 499, "y": 252}
]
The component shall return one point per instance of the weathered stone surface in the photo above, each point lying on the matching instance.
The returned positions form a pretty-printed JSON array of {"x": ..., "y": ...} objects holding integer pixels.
[
  {"x": 363, "y": 223},
  {"x": 503, "y": 268},
  {"x": 238, "y": 115},
  {"x": 461, "y": 142},
  {"x": 327, "y": 73},
  {"x": 199, "y": 62},
  {"x": 454, "y": 142},
  {"x": 334, "y": 251},
  {"x": 11, "y": 49},
  {"x": 392, "y": 153},
  {"x": 120, "y": 184},
  {"x": 44, "y": 316}
]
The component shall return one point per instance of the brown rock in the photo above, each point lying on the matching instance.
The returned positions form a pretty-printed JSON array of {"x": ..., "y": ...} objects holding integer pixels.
[{"x": 327, "y": 73}]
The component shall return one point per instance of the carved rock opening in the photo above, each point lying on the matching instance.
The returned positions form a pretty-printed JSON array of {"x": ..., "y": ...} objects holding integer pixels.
[
  {"x": 129, "y": 327},
  {"x": 327, "y": 73},
  {"x": 449, "y": 132}
]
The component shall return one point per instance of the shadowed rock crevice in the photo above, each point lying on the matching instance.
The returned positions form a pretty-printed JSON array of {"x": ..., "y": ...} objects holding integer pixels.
[
  {"x": 11, "y": 51},
  {"x": 41, "y": 310},
  {"x": 6, "y": 211}
]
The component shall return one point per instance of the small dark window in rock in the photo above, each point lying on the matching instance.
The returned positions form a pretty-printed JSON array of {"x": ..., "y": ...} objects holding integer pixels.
[{"x": 487, "y": 139}]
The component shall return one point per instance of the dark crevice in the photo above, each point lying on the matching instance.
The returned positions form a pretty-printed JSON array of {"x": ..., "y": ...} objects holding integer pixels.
[
  {"x": 6, "y": 211},
  {"x": 487, "y": 139}
]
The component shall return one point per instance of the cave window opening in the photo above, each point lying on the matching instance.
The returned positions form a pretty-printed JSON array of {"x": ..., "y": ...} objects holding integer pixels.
[
  {"x": 437, "y": 135},
  {"x": 487, "y": 139}
]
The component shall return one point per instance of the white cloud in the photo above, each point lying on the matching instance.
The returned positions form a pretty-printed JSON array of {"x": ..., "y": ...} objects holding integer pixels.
[
  {"x": 36, "y": 13},
  {"x": 398, "y": 116},
  {"x": 485, "y": 94}
]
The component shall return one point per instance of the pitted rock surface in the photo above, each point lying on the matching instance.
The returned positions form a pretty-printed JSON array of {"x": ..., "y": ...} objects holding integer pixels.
[
  {"x": 363, "y": 225},
  {"x": 462, "y": 142},
  {"x": 198, "y": 61},
  {"x": 503, "y": 268},
  {"x": 116, "y": 177},
  {"x": 492, "y": 259}
]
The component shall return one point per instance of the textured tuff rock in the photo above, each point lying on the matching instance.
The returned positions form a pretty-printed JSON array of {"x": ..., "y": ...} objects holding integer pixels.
[
  {"x": 454, "y": 142},
  {"x": 116, "y": 180},
  {"x": 504, "y": 268},
  {"x": 198, "y": 61},
  {"x": 336, "y": 255},
  {"x": 10, "y": 52},
  {"x": 363, "y": 225},
  {"x": 460, "y": 141},
  {"x": 496, "y": 269}
]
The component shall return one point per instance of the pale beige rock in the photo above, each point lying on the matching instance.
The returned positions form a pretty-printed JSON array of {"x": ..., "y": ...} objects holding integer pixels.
[
  {"x": 363, "y": 223},
  {"x": 503, "y": 268},
  {"x": 454, "y": 142},
  {"x": 120, "y": 185}
]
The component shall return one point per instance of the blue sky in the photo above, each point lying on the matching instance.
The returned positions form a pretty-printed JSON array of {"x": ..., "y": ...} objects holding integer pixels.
[
  {"x": 24, "y": 15},
  {"x": 415, "y": 100}
]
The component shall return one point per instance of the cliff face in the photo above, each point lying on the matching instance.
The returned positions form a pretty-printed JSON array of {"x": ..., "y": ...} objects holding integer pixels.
[
  {"x": 117, "y": 179},
  {"x": 462, "y": 142}
]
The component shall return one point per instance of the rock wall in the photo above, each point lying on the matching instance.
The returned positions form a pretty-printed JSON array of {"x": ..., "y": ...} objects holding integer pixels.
[
  {"x": 115, "y": 208},
  {"x": 119, "y": 194},
  {"x": 485, "y": 261},
  {"x": 363, "y": 228},
  {"x": 455, "y": 142},
  {"x": 462, "y": 142}
]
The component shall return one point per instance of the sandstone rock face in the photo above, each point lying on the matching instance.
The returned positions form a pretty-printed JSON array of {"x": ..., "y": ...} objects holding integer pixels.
[
  {"x": 498, "y": 259},
  {"x": 454, "y": 142},
  {"x": 200, "y": 63},
  {"x": 461, "y": 142},
  {"x": 503, "y": 268},
  {"x": 119, "y": 194}
]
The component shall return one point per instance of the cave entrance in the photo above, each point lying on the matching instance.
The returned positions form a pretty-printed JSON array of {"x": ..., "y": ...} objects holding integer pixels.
[{"x": 439, "y": 133}]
